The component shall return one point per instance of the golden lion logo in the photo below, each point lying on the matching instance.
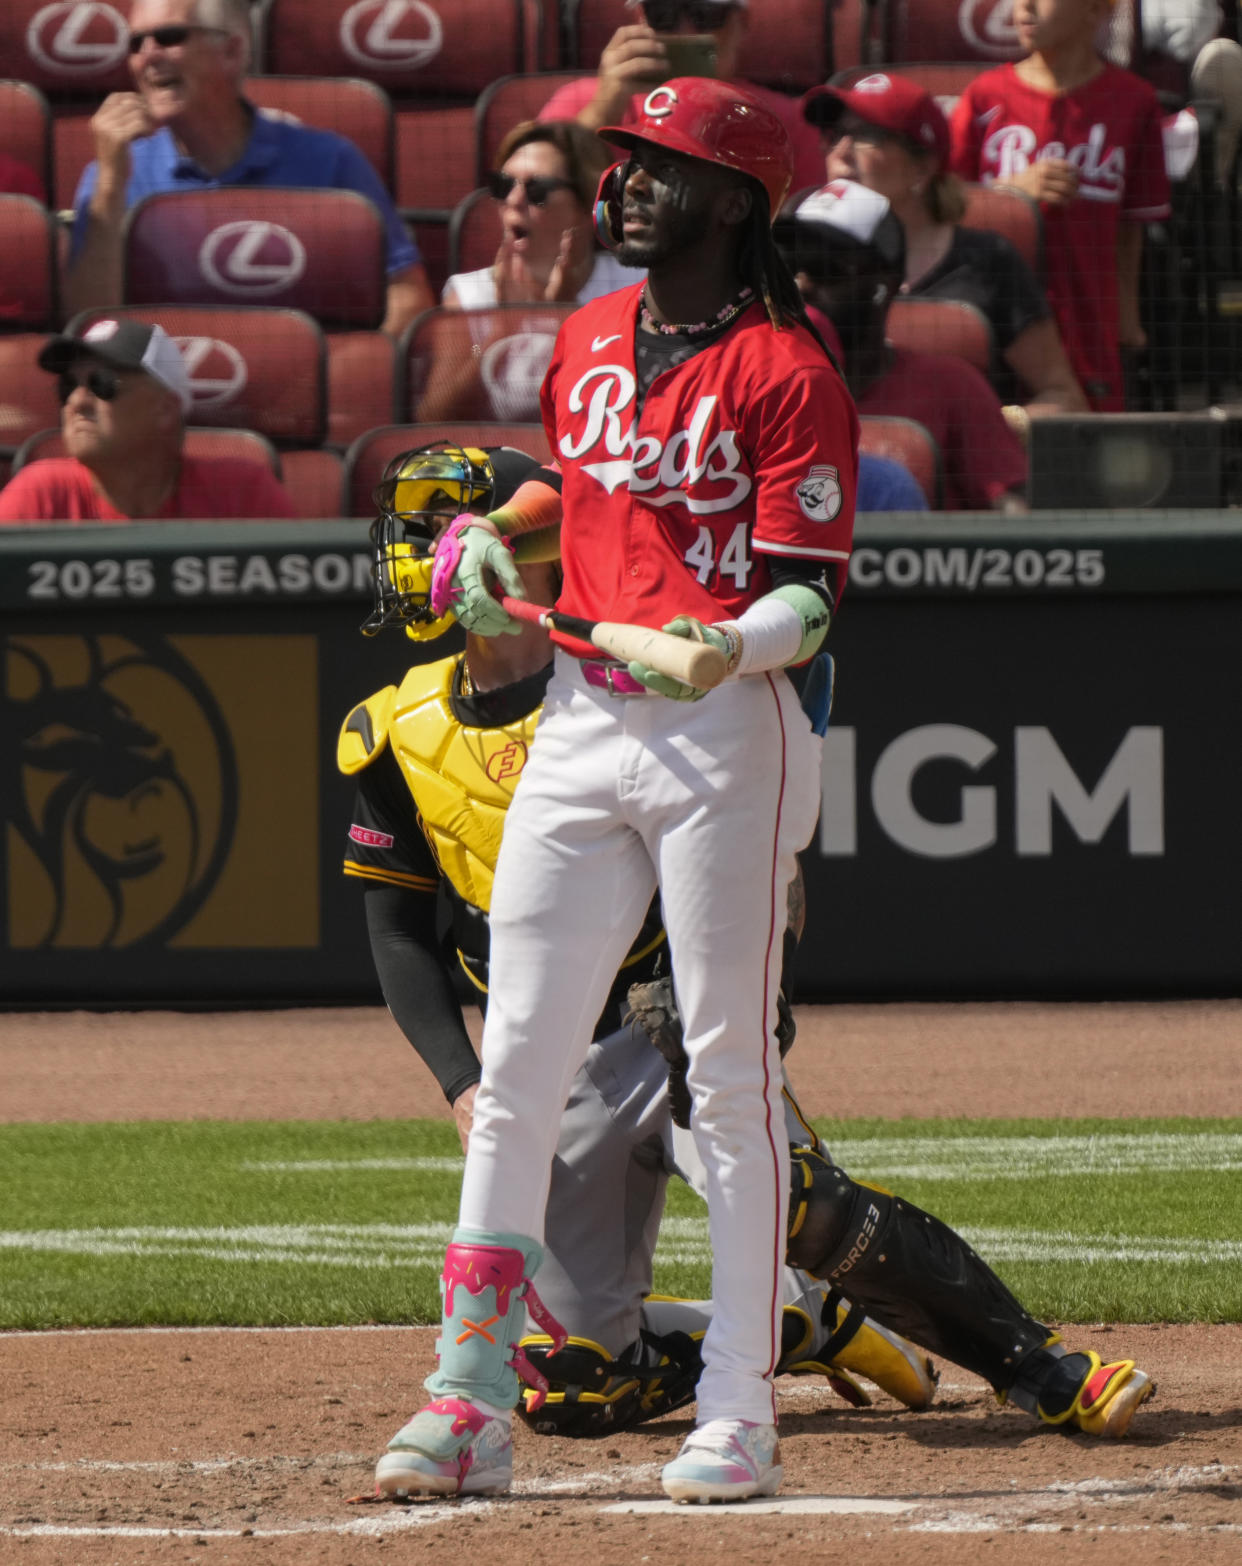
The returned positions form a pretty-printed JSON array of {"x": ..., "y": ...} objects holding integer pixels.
[{"x": 120, "y": 790}]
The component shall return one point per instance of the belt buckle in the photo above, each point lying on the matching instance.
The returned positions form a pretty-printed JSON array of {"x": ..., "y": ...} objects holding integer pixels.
[{"x": 609, "y": 669}]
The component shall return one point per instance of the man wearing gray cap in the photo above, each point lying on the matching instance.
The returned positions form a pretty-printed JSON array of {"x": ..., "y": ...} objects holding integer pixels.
[{"x": 124, "y": 395}]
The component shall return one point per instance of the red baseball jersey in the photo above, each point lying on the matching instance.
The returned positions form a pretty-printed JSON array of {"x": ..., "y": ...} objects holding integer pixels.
[
  {"x": 745, "y": 452},
  {"x": 1110, "y": 129}
]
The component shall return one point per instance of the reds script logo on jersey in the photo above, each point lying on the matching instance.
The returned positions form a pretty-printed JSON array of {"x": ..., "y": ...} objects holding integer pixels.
[
  {"x": 704, "y": 475},
  {"x": 1101, "y": 171}
]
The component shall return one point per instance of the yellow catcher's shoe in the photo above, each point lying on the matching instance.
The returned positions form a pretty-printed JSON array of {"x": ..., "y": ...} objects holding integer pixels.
[
  {"x": 857, "y": 1346},
  {"x": 1106, "y": 1400}
]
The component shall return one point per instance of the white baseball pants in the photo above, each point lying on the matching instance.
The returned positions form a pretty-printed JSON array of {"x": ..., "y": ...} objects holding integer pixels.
[{"x": 712, "y": 801}]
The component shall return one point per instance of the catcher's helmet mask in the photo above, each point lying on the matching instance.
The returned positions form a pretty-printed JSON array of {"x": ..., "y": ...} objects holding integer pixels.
[
  {"x": 712, "y": 121},
  {"x": 418, "y": 495}
]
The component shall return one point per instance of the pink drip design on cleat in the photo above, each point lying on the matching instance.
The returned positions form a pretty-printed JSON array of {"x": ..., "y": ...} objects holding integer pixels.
[{"x": 465, "y": 1416}]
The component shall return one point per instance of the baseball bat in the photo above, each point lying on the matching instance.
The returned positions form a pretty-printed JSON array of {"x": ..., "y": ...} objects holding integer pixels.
[{"x": 694, "y": 663}]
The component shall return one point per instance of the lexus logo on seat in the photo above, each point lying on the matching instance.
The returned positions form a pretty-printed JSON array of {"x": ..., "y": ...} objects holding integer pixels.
[
  {"x": 217, "y": 371},
  {"x": 392, "y": 34},
  {"x": 251, "y": 259},
  {"x": 77, "y": 37},
  {"x": 988, "y": 26}
]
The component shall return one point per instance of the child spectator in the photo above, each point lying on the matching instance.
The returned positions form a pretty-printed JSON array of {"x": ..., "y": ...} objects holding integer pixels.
[{"x": 1083, "y": 138}]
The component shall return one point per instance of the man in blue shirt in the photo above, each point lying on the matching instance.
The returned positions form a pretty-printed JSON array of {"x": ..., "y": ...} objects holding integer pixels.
[{"x": 187, "y": 127}]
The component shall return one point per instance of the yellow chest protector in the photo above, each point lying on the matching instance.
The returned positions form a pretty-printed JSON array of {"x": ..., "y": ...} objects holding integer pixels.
[{"x": 461, "y": 778}]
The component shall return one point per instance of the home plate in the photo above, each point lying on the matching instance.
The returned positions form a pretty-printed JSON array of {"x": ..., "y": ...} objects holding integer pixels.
[{"x": 792, "y": 1506}]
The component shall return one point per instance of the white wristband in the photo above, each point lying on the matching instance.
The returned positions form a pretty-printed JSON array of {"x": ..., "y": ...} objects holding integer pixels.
[{"x": 771, "y": 634}]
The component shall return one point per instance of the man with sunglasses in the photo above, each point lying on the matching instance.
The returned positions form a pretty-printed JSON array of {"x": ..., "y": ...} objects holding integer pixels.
[
  {"x": 188, "y": 127},
  {"x": 125, "y": 393},
  {"x": 637, "y": 57}
]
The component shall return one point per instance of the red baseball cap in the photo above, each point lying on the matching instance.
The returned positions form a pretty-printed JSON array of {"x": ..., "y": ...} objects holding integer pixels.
[{"x": 894, "y": 103}]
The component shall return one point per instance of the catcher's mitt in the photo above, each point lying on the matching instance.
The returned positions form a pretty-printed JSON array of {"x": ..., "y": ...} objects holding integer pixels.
[{"x": 653, "y": 1006}]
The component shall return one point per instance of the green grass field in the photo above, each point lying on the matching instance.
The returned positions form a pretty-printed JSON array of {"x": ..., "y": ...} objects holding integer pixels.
[{"x": 275, "y": 1223}]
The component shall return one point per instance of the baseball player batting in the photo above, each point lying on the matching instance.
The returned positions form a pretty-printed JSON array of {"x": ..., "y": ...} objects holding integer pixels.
[
  {"x": 684, "y": 412},
  {"x": 436, "y": 761}
]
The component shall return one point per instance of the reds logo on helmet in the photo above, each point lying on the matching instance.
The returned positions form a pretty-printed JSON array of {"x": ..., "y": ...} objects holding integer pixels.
[
  {"x": 703, "y": 475},
  {"x": 506, "y": 762},
  {"x": 217, "y": 371},
  {"x": 249, "y": 259},
  {"x": 78, "y": 37},
  {"x": 988, "y": 27},
  {"x": 391, "y": 34}
]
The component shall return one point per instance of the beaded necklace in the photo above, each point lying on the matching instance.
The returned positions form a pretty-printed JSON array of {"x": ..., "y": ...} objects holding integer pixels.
[{"x": 722, "y": 318}]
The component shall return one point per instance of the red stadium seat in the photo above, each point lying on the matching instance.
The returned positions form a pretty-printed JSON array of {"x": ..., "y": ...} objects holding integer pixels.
[
  {"x": 362, "y": 375},
  {"x": 951, "y": 30},
  {"x": 250, "y": 367},
  {"x": 507, "y": 103},
  {"x": 28, "y": 400},
  {"x": 322, "y": 251},
  {"x": 371, "y": 453},
  {"x": 423, "y": 48},
  {"x": 74, "y": 49},
  {"x": 478, "y": 364},
  {"x": 941, "y": 326},
  {"x": 435, "y": 156},
  {"x": 313, "y": 481},
  {"x": 358, "y": 110},
  {"x": 1012, "y": 214},
  {"x": 26, "y": 129},
  {"x": 431, "y": 233},
  {"x": 474, "y": 233},
  {"x": 907, "y": 442},
  {"x": 209, "y": 443},
  {"x": 73, "y": 147},
  {"x": 27, "y": 263}
]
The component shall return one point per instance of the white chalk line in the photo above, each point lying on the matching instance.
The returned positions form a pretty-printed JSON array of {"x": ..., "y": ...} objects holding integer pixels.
[
  {"x": 420, "y": 1247},
  {"x": 926, "y": 1158},
  {"x": 954, "y": 1520}
]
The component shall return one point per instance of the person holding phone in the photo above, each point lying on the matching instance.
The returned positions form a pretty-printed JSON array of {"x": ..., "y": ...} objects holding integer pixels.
[{"x": 679, "y": 38}]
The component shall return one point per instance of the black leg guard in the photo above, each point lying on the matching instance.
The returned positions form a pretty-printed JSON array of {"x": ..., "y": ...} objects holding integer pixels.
[
  {"x": 591, "y": 1395},
  {"x": 908, "y": 1270}
]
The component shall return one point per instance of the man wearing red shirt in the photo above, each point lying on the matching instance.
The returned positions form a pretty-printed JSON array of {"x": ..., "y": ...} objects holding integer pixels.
[
  {"x": 709, "y": 459},
  {"x": 125, "y": 393},
  {"x": 1082, "y": 138},
  {"x": 847, "y": 251}
]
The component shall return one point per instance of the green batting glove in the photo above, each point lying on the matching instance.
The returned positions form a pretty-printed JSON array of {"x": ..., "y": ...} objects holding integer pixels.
[{"x": 664, "y": 684}]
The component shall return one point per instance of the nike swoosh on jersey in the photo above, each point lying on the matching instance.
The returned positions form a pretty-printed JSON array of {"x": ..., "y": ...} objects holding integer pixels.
[{"x": 602, "y": 342}]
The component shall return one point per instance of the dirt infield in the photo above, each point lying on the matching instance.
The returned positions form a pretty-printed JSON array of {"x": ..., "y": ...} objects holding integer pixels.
[{"x": 246, "y": 1446}]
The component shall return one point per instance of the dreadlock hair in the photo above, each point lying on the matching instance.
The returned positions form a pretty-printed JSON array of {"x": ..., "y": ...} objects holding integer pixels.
[{"x": 763, "y": 267}]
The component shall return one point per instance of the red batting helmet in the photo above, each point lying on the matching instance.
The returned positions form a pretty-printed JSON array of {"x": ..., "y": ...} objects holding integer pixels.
[{"x": 714, "y": 121}]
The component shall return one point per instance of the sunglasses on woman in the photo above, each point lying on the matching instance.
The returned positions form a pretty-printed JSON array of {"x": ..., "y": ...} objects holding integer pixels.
[
  {"x": 100, "y": 383},
  {"x": 705, "y": 16},
  {"x": 538, "y": 187},
  {"x": 171, "y": 37}
]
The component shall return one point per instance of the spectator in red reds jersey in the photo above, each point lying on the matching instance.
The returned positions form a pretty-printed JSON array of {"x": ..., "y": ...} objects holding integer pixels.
[
  {"x": 1082, "y": 137},
  {"x": 847, "y": 251},
  {"x": 125, "y": 394},
  {"x": 635, "y": 59},
  {"x": 889, "y": 134}
]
